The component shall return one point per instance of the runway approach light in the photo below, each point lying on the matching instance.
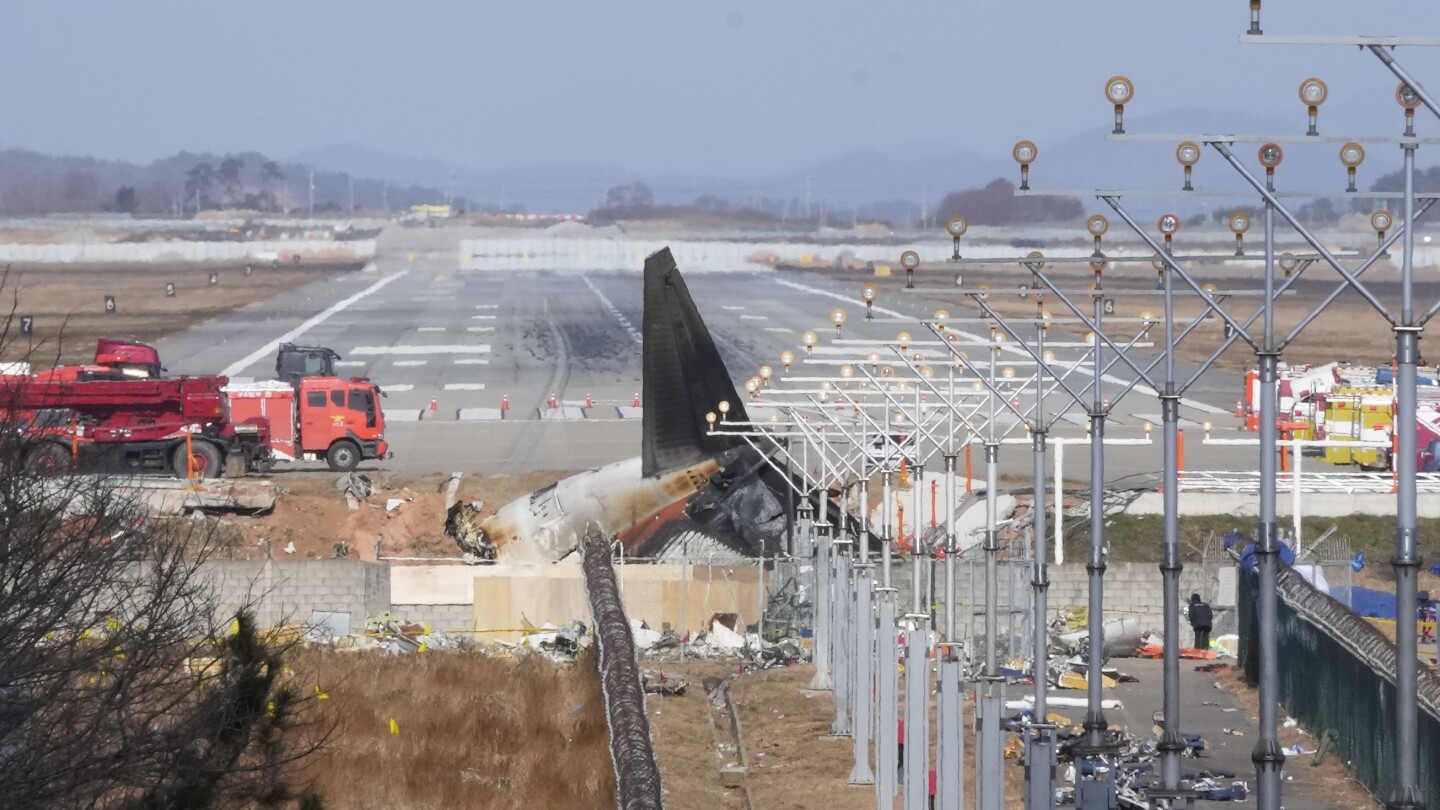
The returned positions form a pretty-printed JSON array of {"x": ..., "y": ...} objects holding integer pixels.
[
  {"x": 1168, "y": 224},
  {"x": 837, "y": 317},
  {"x": 1210, "y": 290},
  {"x": 1039, "y": 263},
  {"x": 847, "y": 371},
  {"x": 1045, "y": 318},
  {"x": 1381, "y": 221},
  {"x": 1049, "y": 357},
  {"x": 1119, "y": 90},
  {"x": 1406, "y": 96},
  {"x": 940, "y": 316},
  {"x": 1089, "y": 338},
  {"x": 904, "y": 340},
  {"x": 868, "y": 293},
  {"x": 1147, "y": 317},
  {"x": 752, "y": 387},
  {"x": 1239, "y": 223},
  {"x": 1270, "y": 156},
  {"x": 1008, "y": 372},
  {"x": 1097, "y": 225},
  {"x": 1288, "y": 263},
  {"x": 1352, "y": 155},
  {"x": 1099, "y": 263},
  {"x": 1025, "y": 153},
  {"x": 908, "y": 260},
  {"x": 1254, "y": 19},
  {"x": 766, "y": 372},
  {"x": 956, "y": 226},
  {"x": 809, "y": 339},
  {"x": 724, "y": 409},
  {"x": 873, "y": 358},
  {"x": 1313, "y": 93},
  {"x": 1188, "y": 153},
  {"x": 787, "y": 358},
  {"x": 927, "y": 372},
  {"x": 984, "y": 292},
  {"x": 710, "y": 418}
]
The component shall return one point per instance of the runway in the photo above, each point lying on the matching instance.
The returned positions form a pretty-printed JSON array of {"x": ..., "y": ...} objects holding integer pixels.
[{"x": 536, "y": 370}]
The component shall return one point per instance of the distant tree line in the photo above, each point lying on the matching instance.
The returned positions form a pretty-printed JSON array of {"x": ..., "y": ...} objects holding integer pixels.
[
  {"x": 34, "y": 184},
  {"x": 997, "y": 204}
]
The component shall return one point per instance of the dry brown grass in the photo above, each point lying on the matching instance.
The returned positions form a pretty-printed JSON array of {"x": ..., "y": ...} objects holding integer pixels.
[
  {"x": 474, "y": 731},
  {"x": 68, "y": 303}
]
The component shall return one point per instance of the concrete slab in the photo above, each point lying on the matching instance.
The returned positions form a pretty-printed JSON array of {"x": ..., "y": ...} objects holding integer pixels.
[
  {"x": 1154, "y": 419},
  {"x": 565, "y": 413},
  {"x": 629, "y": 412},
  {"x": 404, "y": 414},
  {"x": 479, "y": 414}
]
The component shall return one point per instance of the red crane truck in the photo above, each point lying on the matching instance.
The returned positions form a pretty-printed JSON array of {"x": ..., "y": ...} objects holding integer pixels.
[
  {"x": 316, "y": 415},
  {"x": 117, "y": 425}
]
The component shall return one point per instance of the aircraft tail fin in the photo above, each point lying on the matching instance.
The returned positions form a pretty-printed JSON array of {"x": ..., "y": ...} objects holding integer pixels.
[{"x": 683, "y": 375}]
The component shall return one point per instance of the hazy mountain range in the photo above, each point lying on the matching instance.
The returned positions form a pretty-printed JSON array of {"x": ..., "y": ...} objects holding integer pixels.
[{"x": 898, "y": 184}]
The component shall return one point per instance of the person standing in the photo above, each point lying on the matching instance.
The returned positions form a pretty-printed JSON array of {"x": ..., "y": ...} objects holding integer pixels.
[{"x": 1200, "y": 620}]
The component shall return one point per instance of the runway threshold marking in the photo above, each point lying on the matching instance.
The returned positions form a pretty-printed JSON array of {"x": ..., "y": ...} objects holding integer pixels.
[
  {"x": 315, "y": 320},
  {"x": 1016, "y": 350}
]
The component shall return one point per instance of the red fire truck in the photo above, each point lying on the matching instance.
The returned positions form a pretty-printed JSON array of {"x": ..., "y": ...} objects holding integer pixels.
[{"x": 329, "y": 418}]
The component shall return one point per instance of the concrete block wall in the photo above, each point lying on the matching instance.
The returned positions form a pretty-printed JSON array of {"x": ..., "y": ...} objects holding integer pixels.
[
  {"x": 441, "y": 618},
  {"x": 281, "y": 591},
  {"x": 1133, "y": 589}
]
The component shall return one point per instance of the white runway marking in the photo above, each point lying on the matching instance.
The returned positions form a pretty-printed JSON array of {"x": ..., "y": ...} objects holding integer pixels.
[
  {"x": 781, "y": 329},
  {"x": 732, "y": 309},
  {"x": 350, "y": 363},
  {"x": 268, "y": 349},
  {"x": 754, "y": 317},
  {"x": 1016, "y": 350},
  {"x": 465, "y": 386},
  {"x": 392, "y": 389},
  {"x": 472, "y": 361},
  {"x": 432, "y": 329},
  {"x": 479, "y": 329},
  {"x": 624, "y": 322},
  {"x": 411, "y": 362},
  {"x": 487, "y": 306},
  {"x": 483, "y": 317},
  {"x": 448, "y": 348}
]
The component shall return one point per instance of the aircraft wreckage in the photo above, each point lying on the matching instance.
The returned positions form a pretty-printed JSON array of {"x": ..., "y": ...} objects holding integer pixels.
[{"x": 689, "y": 495}]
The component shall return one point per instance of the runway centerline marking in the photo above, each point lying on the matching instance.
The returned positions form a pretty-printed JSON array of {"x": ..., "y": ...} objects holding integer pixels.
[
  {"x": 624, "y": 322},
  {"x": 432, "y": 329},
  {"x": 472, "y": 361},
  {"x": 315, "y": 320},
  {"x": 479, "y": 329},
  {"x": 446, "y": 348},
  {"x": 465, "y": 386},
  {"x": 411, "y": 362},
  {"x": 487, "y": 306},
  {"x": 398, "y": 387},
  {"x": 483, "y": 317},
  {"x": 350, "y": 363}
]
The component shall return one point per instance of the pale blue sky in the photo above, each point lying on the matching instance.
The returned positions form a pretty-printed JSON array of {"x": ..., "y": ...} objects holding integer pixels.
[{"x": 722, "y": 87}]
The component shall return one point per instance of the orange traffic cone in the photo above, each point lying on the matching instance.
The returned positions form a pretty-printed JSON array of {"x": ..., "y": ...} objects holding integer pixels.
[{"x": 434, "y": 405}]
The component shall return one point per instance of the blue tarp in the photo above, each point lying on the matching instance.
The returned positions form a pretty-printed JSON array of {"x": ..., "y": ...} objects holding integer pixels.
[
  {"x": 1366, "y": 601},
  {"x": 1385, "y": 376}
]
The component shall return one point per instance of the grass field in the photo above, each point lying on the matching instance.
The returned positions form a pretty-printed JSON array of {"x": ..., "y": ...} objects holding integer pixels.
[{"x": 68, "y": 303}]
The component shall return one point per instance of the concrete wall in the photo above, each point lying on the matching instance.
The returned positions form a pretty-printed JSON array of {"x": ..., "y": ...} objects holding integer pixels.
[
  {"x": 1134, "y": 589},
  {"x": 1314, "y": 504},
  {"x": 70, "y": 253},
  {"x": 683, "y": 596},
  {"x": 286, "y": 591}
]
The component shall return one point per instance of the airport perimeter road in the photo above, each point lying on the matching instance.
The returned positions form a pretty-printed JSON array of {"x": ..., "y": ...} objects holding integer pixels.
[{"x": 454, "y": 349}]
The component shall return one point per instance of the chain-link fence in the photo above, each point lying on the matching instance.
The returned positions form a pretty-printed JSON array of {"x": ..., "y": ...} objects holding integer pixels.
[{"x": 1336, "y": 675}]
